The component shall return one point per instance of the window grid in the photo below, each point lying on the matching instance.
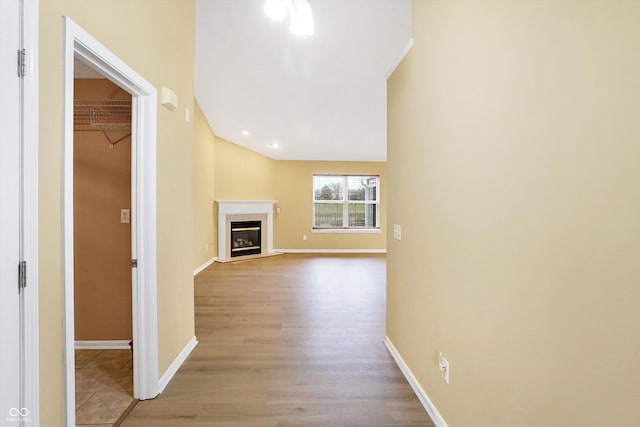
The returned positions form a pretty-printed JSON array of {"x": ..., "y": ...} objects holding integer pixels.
[{"x": 346, "y": 202}]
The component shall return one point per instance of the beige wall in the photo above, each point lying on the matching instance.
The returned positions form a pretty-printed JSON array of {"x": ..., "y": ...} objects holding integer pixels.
[
  {"x": 158, "y": 42},
  {"x": 102, "y": 245},
  {"x": 204, "y": 236},
  {"x": 242, "y": 174},
  {"x": 294, "y": 192},
  {"x": 513, "y": 169}
]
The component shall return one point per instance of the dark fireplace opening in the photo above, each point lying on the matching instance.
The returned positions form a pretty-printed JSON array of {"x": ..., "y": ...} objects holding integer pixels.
[{"x": 246, "y": 238}]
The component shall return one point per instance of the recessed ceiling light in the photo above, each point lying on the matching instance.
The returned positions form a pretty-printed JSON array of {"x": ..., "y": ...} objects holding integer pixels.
[
  {"x": 275, "y": 145},
  {"x": 245, "y": 132}
]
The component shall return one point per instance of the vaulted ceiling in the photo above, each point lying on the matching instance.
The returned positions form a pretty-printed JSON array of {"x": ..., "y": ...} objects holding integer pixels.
[{"x": 321, "y": 97}]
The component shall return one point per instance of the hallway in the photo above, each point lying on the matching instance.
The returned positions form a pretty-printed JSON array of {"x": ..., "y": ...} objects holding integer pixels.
[{"x": 290, "y": 340}]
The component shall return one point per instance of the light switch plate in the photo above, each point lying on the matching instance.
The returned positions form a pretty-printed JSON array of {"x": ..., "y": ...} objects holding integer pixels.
[
  {"x": 125, "y": 216},
  {"x": 443, "y": 364},
  {"x": 397, "y": 232}
]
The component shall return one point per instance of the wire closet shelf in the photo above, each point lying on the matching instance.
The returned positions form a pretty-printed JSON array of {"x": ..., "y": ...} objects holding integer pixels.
[{"x": 106, "y": 115}]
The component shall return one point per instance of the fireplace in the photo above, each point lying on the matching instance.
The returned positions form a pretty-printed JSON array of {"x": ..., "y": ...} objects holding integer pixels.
[
  {"x": 237, "y": 234},
  {"x": 246, "y": 237}
]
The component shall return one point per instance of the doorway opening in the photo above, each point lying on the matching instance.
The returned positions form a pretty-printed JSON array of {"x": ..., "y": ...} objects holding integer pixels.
[
  {"x": 102, "y": 248},
  {"x": 140, "y": 254}
]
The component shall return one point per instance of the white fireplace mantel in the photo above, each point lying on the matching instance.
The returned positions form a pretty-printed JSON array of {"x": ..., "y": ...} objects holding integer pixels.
[{"x": 243, "y": 207}]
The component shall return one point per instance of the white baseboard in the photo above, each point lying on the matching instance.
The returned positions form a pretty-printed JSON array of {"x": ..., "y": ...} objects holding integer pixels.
[
  {"x": 177, "y": 362},
  {"x": 205, "y": 265},
  {"x": 103, "y": 345},
  {"x": 332, "y": 251},
  {"x": 415, "y": 385}
]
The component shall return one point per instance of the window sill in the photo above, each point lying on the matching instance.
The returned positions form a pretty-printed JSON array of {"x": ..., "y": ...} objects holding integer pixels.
[{"x": 346, "y": 230}]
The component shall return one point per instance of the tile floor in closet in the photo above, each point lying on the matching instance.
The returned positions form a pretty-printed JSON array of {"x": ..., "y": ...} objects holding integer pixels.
[{"x": 104, "y": 386}]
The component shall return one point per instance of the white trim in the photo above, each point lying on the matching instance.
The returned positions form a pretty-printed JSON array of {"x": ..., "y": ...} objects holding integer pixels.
[
  {"x": 346, "y": 230},
  {"x": 415, "y": 385},
  {"x": 177, "y": 363},
  {"x": 103, "y": 345},
  {"x": 67, "y": 231},
  {"x": 204, "y": 265},
  {"x": 332, "y": 251},
  {"x": 404, "y": 53},
  {"x": 80, "y": 44},
  {"x": 30, "y": 300}
]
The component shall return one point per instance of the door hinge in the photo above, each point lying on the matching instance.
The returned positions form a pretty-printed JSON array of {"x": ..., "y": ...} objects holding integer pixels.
[
  {"x": 134, "y": 263},
  {"x": 22, "y": 274},
  {"x": 22, "y": 62}
]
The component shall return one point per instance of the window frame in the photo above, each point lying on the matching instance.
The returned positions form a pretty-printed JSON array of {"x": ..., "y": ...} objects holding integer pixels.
[{"x": 345, "y": 205}]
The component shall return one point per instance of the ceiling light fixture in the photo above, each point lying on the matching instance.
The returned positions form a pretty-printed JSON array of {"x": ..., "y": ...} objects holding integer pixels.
[
  {"x": 275, "y": 145},
  {"x": 277, "y": 9},
  {"x": 245, "y": 132},
  {"x": 301, "y": 22}
]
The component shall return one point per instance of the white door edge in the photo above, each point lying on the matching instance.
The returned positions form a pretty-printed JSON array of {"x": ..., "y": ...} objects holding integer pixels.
[{"x": 30, "y": 320}]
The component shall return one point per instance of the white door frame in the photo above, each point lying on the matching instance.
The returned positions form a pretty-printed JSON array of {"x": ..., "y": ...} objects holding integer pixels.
[
  {"x": 29, "y": 130},
  {"x": 80, "y": 44}
]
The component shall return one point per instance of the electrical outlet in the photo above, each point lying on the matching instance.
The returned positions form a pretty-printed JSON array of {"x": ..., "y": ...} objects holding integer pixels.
[
  {"x": 304, "y": 237},
  {"x": 443, "y": 364},
  {"x": 397, "y": 232}
]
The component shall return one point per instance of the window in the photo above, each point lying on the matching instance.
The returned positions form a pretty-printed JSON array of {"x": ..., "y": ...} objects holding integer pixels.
[{"x": 346, "y": 202}]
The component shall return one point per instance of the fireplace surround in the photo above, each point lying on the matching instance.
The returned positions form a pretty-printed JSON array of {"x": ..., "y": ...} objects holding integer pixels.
[{"x": 254, "y": 211}]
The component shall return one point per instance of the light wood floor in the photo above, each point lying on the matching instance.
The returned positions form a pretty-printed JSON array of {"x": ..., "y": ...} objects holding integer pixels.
[{"x": 292, "y": 340}]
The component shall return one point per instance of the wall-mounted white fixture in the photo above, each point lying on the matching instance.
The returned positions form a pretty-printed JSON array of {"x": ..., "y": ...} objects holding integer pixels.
[
  {"x": 168, "y": 98},
  {"x": 301, "y": 22}
]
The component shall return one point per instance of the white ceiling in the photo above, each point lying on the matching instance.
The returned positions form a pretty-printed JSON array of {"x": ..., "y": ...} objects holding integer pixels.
[{"x": 319, "y": 98}]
